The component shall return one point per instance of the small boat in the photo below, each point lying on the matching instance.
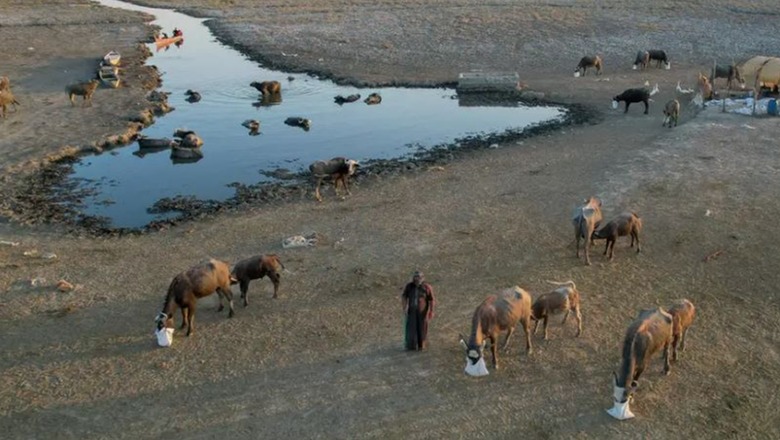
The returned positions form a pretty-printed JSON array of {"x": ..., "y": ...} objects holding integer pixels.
[
  {"x": 112, "y": 58},
  {"x": 109, "y": 75},
  {"x": 154, "y": 143},
  {"x": 162, "y": 42}
]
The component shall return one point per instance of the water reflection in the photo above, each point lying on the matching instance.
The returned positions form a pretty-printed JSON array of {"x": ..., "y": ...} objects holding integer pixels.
[{"x": 404, "y": 120}]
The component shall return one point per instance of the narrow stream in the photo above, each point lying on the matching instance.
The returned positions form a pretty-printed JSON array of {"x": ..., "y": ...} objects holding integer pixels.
[{"x": 406, "y": 120}]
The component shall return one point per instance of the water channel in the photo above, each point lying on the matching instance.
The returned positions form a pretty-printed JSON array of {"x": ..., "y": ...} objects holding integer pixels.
[{"x": 405, "y": 121}]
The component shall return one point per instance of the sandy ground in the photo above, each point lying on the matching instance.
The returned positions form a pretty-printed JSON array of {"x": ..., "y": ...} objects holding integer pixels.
[{"x": 325, "y": 360}]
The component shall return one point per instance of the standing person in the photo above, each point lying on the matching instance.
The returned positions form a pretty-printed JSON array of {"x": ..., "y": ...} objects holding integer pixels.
[{"x": 417, "y": 302}]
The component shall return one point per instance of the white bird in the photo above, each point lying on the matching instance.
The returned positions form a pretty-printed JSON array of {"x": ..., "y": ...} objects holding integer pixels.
[
  {"x": 683, "y": 91},
  {"x": 655, "y": 90}
]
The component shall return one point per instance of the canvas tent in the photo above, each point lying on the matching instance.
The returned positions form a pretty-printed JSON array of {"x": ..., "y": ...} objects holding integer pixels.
[{"x": 761, "y": 69}]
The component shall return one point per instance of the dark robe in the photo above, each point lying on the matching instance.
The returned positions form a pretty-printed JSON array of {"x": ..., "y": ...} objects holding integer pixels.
[{"x": 420, "y": 301}]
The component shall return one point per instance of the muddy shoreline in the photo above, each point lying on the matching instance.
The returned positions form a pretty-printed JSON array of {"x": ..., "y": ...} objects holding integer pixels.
[{"x": 48, "y": 196}]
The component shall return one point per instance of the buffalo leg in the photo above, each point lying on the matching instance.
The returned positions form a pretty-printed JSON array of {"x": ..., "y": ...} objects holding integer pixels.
[
  {"x": 317, "y": 190},
  {"x": 336, "y": 180},
  {"x": 577, "y": 239},
  {"x": 508, "y": 337},
  {"x": 225, "y": 290},
  {"x": 647, "y": 106},
  {"x": 345, "y": 180},
  {"x": 191, "y": 321},
  {"x": 527, "y": 328},
  {"x": 276, "y": 279},
  {"x": 578, "y": 315},
  {"x": 627, "y": 104},
  {"x": 244, "y": 285},
  {"x": 184, "y": 317},
  {"x": 682, "y": 339},
  {"x": 667, "y": 365},
  {"x": 587, "y": 251},
  {"x": 494, "y": 351},
  {"x": 219, "y": 295},
  {"x": 640, "y": 368}
]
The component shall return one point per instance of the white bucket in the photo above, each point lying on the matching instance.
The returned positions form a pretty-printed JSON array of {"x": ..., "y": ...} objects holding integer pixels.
[
  {"x": 634, "y": 68},
  {"x": 476, "y": 370},
  {"x": 615, "y": 105},
  {"x": 668, "y": 66},
  {"x": 577, "y": 74},
  {"x": 164, "y": 336},
  {"x": 621, "y": 411}
]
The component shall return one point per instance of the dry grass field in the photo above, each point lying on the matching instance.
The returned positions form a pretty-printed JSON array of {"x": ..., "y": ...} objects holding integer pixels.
[{"x": 325, "y": 360}]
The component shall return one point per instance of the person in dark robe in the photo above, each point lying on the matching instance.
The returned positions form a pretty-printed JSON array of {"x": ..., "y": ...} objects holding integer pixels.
[{"x": 418, "y": 303}]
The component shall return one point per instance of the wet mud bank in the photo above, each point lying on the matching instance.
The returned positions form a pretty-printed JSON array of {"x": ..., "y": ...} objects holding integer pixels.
[
  {"x": 48, "y": 195},
  {"x": 37, "y": 191}
]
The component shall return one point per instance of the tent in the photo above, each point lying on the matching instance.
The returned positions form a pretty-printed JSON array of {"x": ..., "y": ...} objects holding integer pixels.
[{"x": 761, "y": 69}]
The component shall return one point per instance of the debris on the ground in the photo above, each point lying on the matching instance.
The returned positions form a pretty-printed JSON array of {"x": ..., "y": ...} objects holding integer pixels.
[
  {"x": 64, "y": 286},
  {"x": 300, "y": 241},
  {"x": 713, "y": 255},
  {"x": 9, "y": 243},
  {"x": 38, "y": 281}
]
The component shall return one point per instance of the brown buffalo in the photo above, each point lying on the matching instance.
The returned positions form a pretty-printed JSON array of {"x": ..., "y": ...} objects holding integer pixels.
[
  {"x": 188, "y": 286},
  {"x": 267, "y": 87},
  {"x": 498, "y": 313},
  {"x": 255, "y": 268}
]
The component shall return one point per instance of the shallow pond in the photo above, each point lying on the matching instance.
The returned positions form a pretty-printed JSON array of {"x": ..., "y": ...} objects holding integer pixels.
[{"x": 406, "y": 120}]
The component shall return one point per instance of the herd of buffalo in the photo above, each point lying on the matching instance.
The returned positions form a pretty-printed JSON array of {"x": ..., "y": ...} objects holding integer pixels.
[{"x": 653, "y": 330}]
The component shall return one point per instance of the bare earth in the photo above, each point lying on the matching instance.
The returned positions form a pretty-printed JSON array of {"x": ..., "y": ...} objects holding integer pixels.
[{"x": 325, "y": 360}]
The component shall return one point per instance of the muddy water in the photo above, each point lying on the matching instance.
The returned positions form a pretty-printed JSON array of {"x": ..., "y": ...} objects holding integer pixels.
[{"x": 406, "y": 120}]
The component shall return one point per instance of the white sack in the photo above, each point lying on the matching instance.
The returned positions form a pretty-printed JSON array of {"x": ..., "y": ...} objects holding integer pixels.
[
  {"x": 476, "y": 370},
  {"x": 164, "y": 336}
]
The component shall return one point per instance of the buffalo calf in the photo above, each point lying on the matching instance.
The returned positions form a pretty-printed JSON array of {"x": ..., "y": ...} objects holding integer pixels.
[
  {"x": 338, "y": 168},
  {"x": 671, "y": 113},
  {"x": 683, "y": 312},
  {"x": 564, "y": 299},
  {"x": 255, "y": 268},
  {"x": 627, "y": 223}
]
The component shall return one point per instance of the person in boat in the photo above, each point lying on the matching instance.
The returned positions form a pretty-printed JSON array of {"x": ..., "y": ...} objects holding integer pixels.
[
  {"x": 177, "y": 32},
  {"x": 164, "y": 35}
]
